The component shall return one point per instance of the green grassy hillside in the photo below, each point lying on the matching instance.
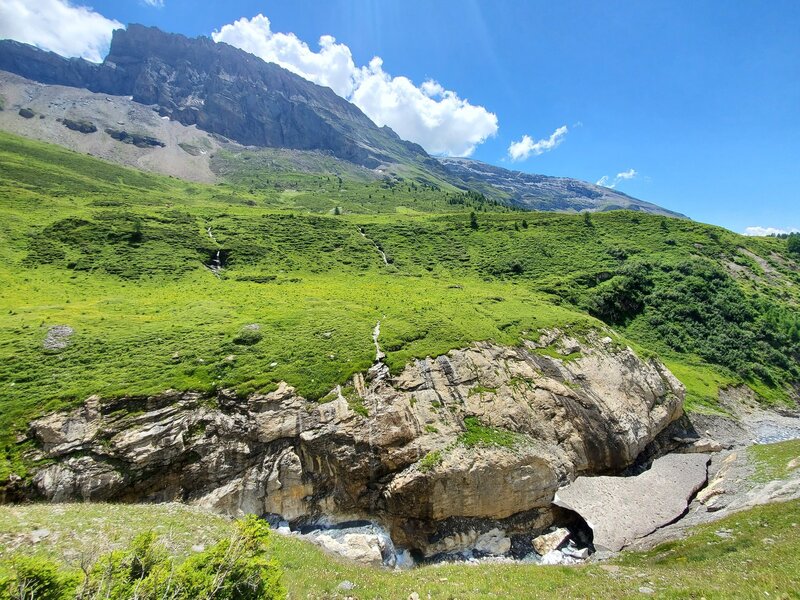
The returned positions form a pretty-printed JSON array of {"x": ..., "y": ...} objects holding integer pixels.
[{"x": 122, "y": 257}]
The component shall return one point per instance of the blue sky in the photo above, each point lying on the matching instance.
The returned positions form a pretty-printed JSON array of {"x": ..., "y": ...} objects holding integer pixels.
[{"x": 700, "y": 99}]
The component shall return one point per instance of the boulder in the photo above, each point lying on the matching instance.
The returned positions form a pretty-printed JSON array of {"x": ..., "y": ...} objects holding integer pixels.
[
  {"x": 620, "y": 510},
  {"x": 551, "y": 541},
  {"x": 57, "y": 337},
  {"x": 367, "y": 545},
  {"x": 555, "y": 557},
  {"x": 493, "y": 542},
  {"x": 577, "y": 553}
]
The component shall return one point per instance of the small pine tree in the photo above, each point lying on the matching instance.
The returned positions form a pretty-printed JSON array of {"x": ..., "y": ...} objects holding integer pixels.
[
  {"x": 793, "y": 244},
  {"x": 337, "y": 211},
  {"x": 473, "y": 220},
  {"x": 587, "y": 219},
  {"x": 136, "y": 235},
  {"x": 524, "y": 224}
]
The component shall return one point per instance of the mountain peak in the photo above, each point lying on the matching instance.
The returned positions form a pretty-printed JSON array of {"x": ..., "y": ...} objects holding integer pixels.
[
  {"x": 229, "y": 92},
  {"x": 223, "y": 90}
]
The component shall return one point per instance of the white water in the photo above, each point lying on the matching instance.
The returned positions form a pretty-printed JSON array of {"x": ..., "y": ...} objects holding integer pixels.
[
  {"x": 379, "y": 355},
  {"x": 216, "y": 262},
  {"x": 381, "y": 252}
]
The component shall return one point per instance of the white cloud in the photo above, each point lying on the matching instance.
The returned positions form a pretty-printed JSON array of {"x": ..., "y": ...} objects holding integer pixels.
[
  {"x": 59, "y": 26},
  {"x": 522, "y": 149},
  {"x": 436, "y": 118},
  {"x": 332, "y": 66},
  {"x": 606, "y": 181},
  {"x": 154, "y": 3},
  {"x": 764, "y": 231}
]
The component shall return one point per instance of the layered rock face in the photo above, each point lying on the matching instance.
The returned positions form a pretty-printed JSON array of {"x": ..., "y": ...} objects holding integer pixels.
[
  {"x": 223, "y": 90},
  {"x": 409, "y": 464}
]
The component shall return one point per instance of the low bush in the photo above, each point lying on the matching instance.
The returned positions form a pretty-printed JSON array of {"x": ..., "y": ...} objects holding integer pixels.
[{"x": 236, "y": 568}]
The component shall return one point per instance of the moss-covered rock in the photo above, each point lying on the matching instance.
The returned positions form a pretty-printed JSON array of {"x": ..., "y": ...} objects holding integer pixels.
[
  {"x": 136, "y": 139},
  {"x": 81, "y": 126}
]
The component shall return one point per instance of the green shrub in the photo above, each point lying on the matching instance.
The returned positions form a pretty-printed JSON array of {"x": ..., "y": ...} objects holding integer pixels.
[
  {"x": 430, "y": 461},
  {"x": 621, "y": 298},
  {"x": 793, "y": 244},
  {"x": 478, "y": 434},
  {"x": 36, "y": 578},
  {"x": 234, "y": 569},
  {"x": 237, "y": 568}
]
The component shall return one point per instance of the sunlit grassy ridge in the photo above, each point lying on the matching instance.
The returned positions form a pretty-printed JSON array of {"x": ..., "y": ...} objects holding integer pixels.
[{"x": 122, "y": 257}]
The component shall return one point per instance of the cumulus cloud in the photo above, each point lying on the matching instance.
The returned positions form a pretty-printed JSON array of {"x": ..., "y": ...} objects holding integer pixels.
[
  {"x": 522, "y": 149},
  {"x": 428, "y": 114},
  {"x": 764, "y": 231},
  {"x": 59, "y": 26},
  {"x": 608, "y": 182},
  {"x": 332, "y": 66}
]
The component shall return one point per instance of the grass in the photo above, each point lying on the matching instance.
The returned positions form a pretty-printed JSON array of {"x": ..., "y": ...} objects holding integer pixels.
[
  {"x": 760, "y": 559},
  {"x": 478, "y": 434},
  {"x": 553, "y": 353},
  {"x": 703, "y": 383},
  {"x": 775, "y": 461},
  {"x": 122, "y": 257},
  {"x": 430, "y": 461}
]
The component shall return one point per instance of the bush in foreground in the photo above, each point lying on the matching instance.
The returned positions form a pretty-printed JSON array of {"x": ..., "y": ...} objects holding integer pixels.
[{"x": 236, "y": 568}]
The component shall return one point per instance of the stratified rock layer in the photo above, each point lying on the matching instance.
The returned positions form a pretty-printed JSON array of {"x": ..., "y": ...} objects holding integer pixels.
[
  {"x": 406, "y": 465},
  {"x": 623, "y": 509}
]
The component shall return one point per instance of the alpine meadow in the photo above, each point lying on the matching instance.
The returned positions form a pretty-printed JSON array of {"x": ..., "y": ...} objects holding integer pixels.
[{"x": 268, "y": 331}]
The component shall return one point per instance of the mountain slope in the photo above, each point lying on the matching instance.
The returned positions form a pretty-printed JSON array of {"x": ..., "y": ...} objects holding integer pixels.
[
  {"x": 244, "y": 101},
  {"x": 223, "y": 90},
  {"x": 541, "y": 192}
]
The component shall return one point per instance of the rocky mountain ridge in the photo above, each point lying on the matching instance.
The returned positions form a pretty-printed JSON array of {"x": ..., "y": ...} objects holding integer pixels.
[
  {"x": 542, "y": 192},
  {"x": 223, "y": 90}
]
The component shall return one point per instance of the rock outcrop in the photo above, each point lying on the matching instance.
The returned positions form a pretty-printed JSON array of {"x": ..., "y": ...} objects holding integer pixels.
[
  {"x": 403, "y": 459},
  {"x": 620, "y": 510}
]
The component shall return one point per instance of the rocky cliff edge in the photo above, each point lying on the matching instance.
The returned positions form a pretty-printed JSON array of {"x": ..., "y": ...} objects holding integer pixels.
[{"x": 472, "y": 441}]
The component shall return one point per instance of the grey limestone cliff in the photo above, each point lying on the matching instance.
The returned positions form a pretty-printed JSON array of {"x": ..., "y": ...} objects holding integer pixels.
[{"x": 391, "y": 449}]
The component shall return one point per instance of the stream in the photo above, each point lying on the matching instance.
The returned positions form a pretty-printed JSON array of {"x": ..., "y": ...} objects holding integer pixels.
[{"x": 381, "y": 252}]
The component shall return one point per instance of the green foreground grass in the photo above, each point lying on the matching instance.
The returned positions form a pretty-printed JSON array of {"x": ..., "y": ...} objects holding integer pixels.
[
  {"x": 122, "y": 258},
  {"x": 760, "y": 559},
  {"x": 775, "y": 461}
]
